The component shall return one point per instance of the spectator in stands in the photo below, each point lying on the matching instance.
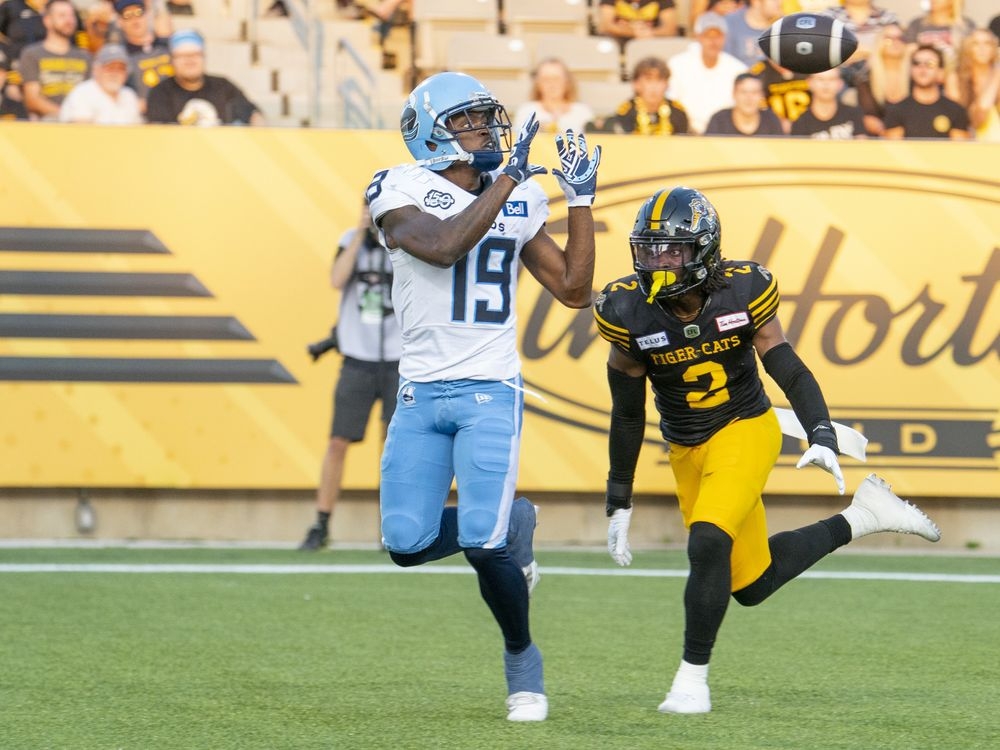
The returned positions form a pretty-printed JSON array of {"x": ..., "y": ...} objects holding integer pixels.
[
  {"x": 51, "y": 68},
  {"x": 701, "y": 77},
  {"x": 865, "y": 19},
  {"x": 979, "y": 83},
  {"x": 22, "y": 23},
  {"x": 368, "y": 338},
  {"x": 148, "y": 53},
  {"x": 827, "y": 117},
  {"x": 190, "y": 97},
  {"x": 649, "y": 112},
  {"x": 722, "y": 7},
  {"x": 11, "y": 106},
  {"x": 995, "y": 26},
  {"x": 744, "y": 27},
  {"x": 943, "y": 26},
  {"x": 553, "y": 100},
  {"x": 104, "y": 99},
  {"x": 97, "y": 21},
  {"x": 927, "y": 112},
  {"x": 884, "y": 79},
  {"x": 749, "y": 114},
  {"x": 638, "y": 19},
  {"x": 786, "y": 92}
]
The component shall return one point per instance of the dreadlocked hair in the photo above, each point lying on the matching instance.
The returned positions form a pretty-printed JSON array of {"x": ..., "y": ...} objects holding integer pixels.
[{"x": 717, "y": 279}]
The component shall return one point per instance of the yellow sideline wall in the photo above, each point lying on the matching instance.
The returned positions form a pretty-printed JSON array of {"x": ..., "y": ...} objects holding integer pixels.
[{"x": 887, "y": 255}]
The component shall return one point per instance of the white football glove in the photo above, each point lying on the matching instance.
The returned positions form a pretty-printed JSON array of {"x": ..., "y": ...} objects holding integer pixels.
[
  {"x": 825, "y": 459},
  {"x": 618, "y": 536}
]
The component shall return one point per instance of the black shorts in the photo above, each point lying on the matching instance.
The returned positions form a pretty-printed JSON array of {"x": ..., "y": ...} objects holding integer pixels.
[{"x": 360, "y": 385}]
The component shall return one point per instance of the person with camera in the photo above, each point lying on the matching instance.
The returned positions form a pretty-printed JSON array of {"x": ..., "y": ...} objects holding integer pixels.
[{"x": 368, "y": 337}]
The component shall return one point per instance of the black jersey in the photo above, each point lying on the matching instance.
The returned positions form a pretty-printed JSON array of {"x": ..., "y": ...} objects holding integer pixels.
[{"x": 703, "y": 372}]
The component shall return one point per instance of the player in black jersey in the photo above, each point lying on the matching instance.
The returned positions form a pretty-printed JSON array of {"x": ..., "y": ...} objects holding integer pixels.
[{"x": 693, "y": 324}]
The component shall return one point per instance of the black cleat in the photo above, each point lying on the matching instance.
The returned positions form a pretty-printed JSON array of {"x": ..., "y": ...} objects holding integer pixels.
[{"x": 316, "y": 538}]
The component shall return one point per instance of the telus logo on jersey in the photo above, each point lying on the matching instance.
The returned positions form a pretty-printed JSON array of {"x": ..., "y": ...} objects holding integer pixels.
[
  {"x": 652, "y": 341},
  {"x": 437, "y": 199},
  {"x": 515, "y": 208}
]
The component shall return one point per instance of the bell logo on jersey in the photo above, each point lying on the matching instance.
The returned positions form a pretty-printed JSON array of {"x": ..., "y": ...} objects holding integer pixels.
[
  {"x": 652, "y": 341},
  {"x": 437, "y": 199},
  {"x": 516, "y": 208},
  {"x": 729, "y": 322},
  {"x": 408, "y": 396}
]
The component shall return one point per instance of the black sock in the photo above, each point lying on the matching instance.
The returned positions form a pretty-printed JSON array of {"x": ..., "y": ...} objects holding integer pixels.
[
  {"x": 505, "y": 591},
  {"x": 323, "y": 519},
  {"x": 706, "y": 596}
]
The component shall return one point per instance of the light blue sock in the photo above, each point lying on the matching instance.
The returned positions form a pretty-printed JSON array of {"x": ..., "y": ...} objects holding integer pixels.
[
  {"x": 521, "y": 533},
  {"x": 524, "y": 671}
]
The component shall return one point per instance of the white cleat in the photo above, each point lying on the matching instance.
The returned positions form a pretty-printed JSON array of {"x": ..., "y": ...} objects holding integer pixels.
[
  {"x": 876, "y": 508},
  {"x": 531, "y": 575},
  {"x": 525, "y": 706},
  {"x": 687, "y": 697}
]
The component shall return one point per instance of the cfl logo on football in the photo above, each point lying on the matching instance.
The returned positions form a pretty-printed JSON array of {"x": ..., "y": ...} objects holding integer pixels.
[{"x": 805, "y": 22}]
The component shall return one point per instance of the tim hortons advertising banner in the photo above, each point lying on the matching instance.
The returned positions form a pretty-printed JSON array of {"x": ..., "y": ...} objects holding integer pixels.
[{"x": 158, "y": 288}]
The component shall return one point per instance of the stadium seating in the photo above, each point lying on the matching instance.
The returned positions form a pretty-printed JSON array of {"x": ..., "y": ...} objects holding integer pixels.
[
  {"x": 490, "y": 55},
  {"x": 527, "y": 17},
  {"x": 591, "y": 58},
  {"x": 437, "y": 20},
  {"x": 603, "y": 97},
  {"x": 663, "y": 47}
]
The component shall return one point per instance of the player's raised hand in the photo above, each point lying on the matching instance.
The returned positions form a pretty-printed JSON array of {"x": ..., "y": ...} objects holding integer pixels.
[
  {"x": 825, "y": 459},
  {"x": 518, "y": 168},
  {"x": 578, "y": 176}
]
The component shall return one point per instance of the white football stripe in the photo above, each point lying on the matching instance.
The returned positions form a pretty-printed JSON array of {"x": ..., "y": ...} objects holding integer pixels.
[
  {"x": 775, "y": 41},
  {"x": 835, "y": 44}
]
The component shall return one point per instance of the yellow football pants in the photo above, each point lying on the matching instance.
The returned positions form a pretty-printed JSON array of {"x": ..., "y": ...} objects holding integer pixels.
[{"x": 721, "y": 481}]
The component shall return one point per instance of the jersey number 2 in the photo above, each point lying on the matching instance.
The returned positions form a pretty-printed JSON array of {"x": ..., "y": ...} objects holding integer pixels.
[
  {"x": 716, "y": 394},
  {"x": 491, "y": 262}
]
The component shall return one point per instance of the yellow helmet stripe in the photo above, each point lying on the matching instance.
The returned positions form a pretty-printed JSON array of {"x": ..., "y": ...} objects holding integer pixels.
[{"x": 656, "y": 213}]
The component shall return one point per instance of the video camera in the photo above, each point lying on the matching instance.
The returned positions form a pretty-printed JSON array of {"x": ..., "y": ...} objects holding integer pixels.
[{"x": 318, "y": 348}]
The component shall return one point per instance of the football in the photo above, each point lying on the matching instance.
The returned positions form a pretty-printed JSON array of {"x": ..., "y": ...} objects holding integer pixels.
[{"x": 808, "y": 42}]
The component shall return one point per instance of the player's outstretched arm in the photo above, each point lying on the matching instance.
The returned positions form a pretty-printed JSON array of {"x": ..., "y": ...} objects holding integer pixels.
[
  {"x": 569, "y": 273},
  {"x": 804, "y": 394}
]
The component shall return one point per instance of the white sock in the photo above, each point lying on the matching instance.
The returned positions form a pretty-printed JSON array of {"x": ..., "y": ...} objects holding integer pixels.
[
  {"x": 692, "y": 672},
  {"x": 857, "y": 518}
]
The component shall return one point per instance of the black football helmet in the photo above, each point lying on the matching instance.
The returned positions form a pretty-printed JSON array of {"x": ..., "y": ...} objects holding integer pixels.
[{"x": 671, "y": 217}]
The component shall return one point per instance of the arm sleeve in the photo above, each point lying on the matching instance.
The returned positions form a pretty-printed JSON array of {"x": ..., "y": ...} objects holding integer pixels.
[
  {"x": 803, "y": 392},
  {"x": 628, "y": 425}
]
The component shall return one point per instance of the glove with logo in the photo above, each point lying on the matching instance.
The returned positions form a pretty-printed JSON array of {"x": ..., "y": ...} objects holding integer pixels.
[
  {"x": 825, "y": 459},
  {"x": 578, "y": 176},
  {"x": 518, "y": 168}
]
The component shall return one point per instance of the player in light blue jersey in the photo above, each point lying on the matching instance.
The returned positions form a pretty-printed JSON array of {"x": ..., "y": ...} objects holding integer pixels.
[{"x": 457, "y": 225}]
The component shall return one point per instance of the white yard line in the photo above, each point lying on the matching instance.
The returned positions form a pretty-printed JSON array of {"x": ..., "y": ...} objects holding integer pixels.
[{"x": 238, "y": 569}]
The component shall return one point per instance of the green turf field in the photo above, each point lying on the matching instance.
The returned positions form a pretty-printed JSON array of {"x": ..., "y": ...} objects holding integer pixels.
[{"x": 276, "y": 649}]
